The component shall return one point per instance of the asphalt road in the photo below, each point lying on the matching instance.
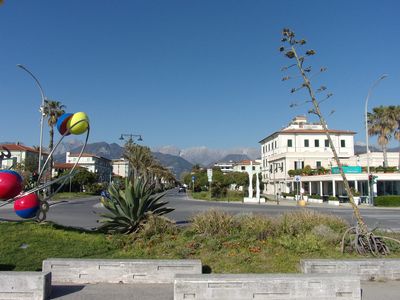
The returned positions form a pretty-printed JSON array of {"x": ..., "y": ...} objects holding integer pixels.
[{"x": 86, "y": 212}]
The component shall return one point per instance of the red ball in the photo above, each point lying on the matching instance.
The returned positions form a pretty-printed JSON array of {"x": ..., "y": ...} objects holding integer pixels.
[
  {"x": 10, "y": 185},
  {"x": 27, "y": 206}
]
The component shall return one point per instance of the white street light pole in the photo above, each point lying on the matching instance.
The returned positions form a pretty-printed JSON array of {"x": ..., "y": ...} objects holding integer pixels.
[
  {"x": 41, "y": 113},
  {"x": 370, "y": 194}
]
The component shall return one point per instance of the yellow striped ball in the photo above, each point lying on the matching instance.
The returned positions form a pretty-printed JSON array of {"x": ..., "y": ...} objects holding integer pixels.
[{"x": 79, "y": 123}]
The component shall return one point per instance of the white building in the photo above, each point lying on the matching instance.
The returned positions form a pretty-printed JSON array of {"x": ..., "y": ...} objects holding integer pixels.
[
  {"x": 95, "y": 164},
  {"x": 248, "y": 166},
  {"x": 225, "y": 167},
  {"x": 120, "y": 167},
  {"x": 303, "y": 144},
  {"x": 18, "y": 154}
]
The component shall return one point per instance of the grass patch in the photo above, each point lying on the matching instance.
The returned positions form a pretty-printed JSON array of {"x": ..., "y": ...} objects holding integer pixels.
[
  {"x": 231, "y": 196},
  {"x": 72, "y": 195},
  {"x": 25, "y": 245},
  {"x": 224, "y": 243}
]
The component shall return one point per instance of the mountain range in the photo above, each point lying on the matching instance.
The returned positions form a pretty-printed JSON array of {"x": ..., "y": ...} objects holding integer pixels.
[{"x": 177, "y": 160}]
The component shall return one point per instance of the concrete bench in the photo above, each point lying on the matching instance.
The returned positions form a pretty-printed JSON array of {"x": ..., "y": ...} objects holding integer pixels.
[
  {"x": 25, "y": 285},
  {"x": 267, "y": 286},
  {"x": 119, "y": 270},
  {"x": 367, "y": 269}
]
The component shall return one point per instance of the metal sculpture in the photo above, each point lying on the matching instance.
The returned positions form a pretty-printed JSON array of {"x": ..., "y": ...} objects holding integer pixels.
[{"x": 33, "y": 204}]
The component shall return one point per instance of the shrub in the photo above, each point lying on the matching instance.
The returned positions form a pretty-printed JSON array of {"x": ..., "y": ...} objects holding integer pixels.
[
  {"x": 301, "y": 222},
  {"x": 326, "y": 233},
  {"x": 333, "y": 198},
  {"x": 257, "y": 226},
  {"x": 387, "y": 200},
  {"x": 213, "y": 222},
  {"x": 219, "y": 190},
  {"x": 288, "y": 194},
  {"x": 315, "y": 196},
  {"x": 130, "y": 208},
  {"x": 156, "y": 225}
]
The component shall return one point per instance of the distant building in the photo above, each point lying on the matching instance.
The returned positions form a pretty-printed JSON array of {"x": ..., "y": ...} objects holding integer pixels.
[
  {"x": 303, "y": 144},
  {"x": 19, "y": 153},
  {"x": 226, "y": 167},
  {"x": 120, "y": 167},
  {"x": 247, "y": 165},
  {"x": 96, "y": 164}
]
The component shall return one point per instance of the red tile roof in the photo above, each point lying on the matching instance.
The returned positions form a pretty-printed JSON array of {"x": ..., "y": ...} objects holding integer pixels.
[
  {"x": 22, "y": 148},
  {"x": 247, "y": 162},
  {"x": 63, "y": 165}
]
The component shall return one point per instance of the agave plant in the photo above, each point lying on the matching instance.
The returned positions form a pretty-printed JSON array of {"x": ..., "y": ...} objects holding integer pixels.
[{"x": 130, "y": 208}]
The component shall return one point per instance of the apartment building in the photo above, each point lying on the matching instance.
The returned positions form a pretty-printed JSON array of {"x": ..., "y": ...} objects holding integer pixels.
[
  {"x": 303, "y": 144},
  {"x": 95, "y": 164},
  {"x": 18, "y": 154}
]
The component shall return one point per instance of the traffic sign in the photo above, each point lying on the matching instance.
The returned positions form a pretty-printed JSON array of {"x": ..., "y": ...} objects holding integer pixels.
[
  {"x": 297, "y": 178},
  {"x": 209, "y": 174}
]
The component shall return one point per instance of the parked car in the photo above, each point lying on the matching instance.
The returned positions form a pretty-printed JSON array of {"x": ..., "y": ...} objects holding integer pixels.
[{"x": 182, "y": 189}]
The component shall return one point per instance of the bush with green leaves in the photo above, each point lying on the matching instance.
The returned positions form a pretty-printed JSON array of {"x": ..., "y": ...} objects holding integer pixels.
[
  {"x": 390, "y": 200},
  {"x": 129, "y": 209}
]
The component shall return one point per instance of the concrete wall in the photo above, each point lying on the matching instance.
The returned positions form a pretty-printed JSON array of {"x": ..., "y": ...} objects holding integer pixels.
[
  {"x": 119, "y": 270},
  {"x": 367, "y": 269},
  {"x": 266, "y": 286},
  {"x": 25, "y": 285}
]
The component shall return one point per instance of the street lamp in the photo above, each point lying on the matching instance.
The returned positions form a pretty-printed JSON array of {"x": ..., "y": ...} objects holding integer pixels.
[
  {"x": 41, "y": 109},
  {"x": 130, "y": 136},
  {"x": 370, "y": 194}
]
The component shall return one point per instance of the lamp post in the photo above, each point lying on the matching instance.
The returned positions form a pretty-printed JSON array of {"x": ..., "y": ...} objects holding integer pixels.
[
  {"x": 41, "y": 113},
  {"x": 130, "y": 136},
  {"x": 370, "y": 194}
]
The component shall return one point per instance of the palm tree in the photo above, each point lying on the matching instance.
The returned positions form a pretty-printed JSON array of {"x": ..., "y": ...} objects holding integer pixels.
[
  {"x": 382, "y": 122},
  {"x": 52, "y": 110},
  {"x": 139, "y": 158},
  {"x": 144, "y": 165},
  {"x": 394, "y": 114}
]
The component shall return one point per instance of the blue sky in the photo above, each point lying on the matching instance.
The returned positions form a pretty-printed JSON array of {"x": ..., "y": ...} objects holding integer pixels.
[{"x": 191, "y": 73}]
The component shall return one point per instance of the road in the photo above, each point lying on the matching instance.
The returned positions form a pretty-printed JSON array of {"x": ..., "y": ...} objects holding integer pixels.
[{"x": 85, "y": 212}]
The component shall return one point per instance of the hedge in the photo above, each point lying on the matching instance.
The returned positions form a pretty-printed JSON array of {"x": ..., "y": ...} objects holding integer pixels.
[{"x": 392, "y": 200}]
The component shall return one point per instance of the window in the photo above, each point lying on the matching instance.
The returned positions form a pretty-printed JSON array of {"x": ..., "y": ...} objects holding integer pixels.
[
  {"x": 316, "y": 143},
  {"x": 342, "y": 143},
  {"x": 289, "y": 143},
  {"x": 306, "y": 143},
  {"x": 243, "y": 168},
  {"x": 326, "y": 143},
  {"x": 275, "y": 145},
  {"x": 318, "y": 164},
  {"x": 298, "y": 165}
]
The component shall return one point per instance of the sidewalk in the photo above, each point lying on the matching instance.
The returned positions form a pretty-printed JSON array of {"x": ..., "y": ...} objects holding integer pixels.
[
  {"x": 109, "y": 291},
  {"x": 389, "y": 290}
]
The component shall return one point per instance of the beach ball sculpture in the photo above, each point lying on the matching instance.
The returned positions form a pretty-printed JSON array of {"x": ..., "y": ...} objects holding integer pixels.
[
  {"x": 10, "y": 184},
  {"x": 62, "y": 123},
  {"x": 76, "y": 123},
  {"x": 30, "y": 204},
  {"x": 27, "y": 206}
]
